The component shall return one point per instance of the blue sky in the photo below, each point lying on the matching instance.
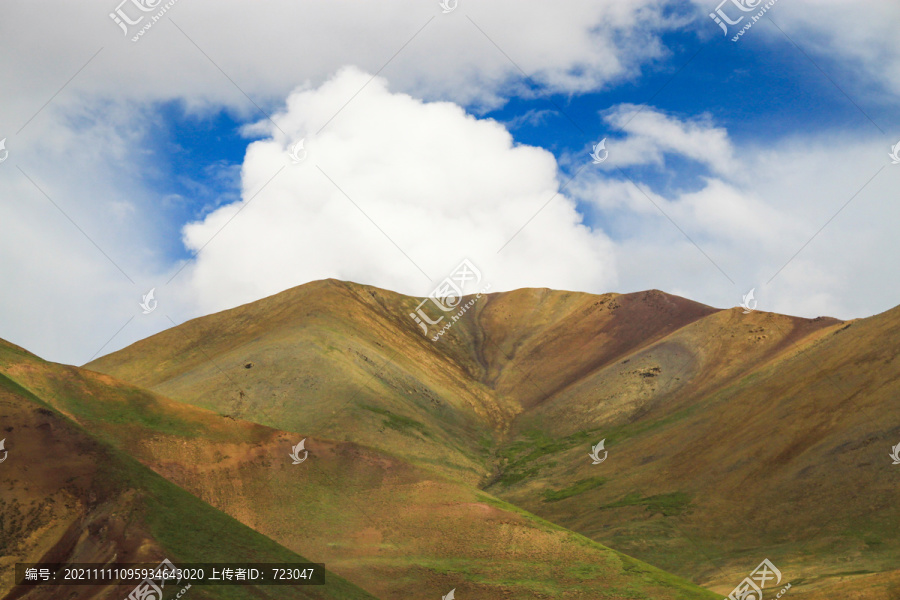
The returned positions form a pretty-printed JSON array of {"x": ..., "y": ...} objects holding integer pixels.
[{"x": 761, "y": 90}]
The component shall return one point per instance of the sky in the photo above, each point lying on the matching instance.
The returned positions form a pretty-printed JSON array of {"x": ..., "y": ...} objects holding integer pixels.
[{"x": 220, "y": 152}]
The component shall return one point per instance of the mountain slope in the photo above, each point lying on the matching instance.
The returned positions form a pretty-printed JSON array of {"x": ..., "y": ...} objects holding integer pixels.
[
  {"x": 305, "y": 360},
  {"x": 381, "y": 522},
  {"x": 786, "y": 460},
  {"x": 346, "y": 361},
  {"x": 732, "y": 437},
  {"x": 67, "y": 497}
]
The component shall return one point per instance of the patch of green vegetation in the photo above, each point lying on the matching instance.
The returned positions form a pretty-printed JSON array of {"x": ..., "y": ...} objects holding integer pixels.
[
  {"x": 512, "y": 508},
  {"x": 540, "y": 578},
  {"x": 133, "y": 407},
  {"x": 10, "y": 353},
  {"x": 684, "y": 589},
  {"x": 397, "y": 422},
  {"x": 13, "y": 386},
  {"x": 629, "y": 430},
  {"x": 129, "y": 406},
  {"x": 587, "y": 571},
  {"x": 749, "y": 379},
  {"x": 673, "y": 504},
  {"x": 648, "y": 575},
  {"x": 537, "y": 445},
  {"x": 510, "y": 477},
  {"x": 576, "y": 488}
]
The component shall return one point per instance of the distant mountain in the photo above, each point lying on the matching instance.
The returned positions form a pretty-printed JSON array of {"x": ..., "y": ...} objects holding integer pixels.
[{"x": 731, "y": 437}]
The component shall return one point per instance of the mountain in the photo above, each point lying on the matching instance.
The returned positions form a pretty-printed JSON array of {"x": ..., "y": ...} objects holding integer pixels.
[
  {"x": 731, "y": 437},
  {"x": 391, "y": 527},
  {"x": 347, "y": 361}
]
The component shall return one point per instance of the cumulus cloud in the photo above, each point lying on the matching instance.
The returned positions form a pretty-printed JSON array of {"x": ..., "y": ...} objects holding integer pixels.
[
  {"x": 395, "y": 193},
  {"x": 396, "y": 185}
]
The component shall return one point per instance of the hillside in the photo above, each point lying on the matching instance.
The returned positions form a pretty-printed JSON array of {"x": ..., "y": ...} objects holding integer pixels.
[
  {"x": 347, "y": 362},
  {"x": 388, "y": 526},
  {"x": 732, "y": 437},
  {"x": 67, "y": 497}
]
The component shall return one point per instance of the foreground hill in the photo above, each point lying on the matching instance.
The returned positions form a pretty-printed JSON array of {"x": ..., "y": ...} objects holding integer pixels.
[
  {"x": 391, "y": 527},
  {"x": 731, "y": 437},
  {"x": 69, "y": 497}
]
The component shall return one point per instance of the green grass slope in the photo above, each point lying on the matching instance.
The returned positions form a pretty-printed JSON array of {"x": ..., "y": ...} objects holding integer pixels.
[
  {"x": 68, "y": 498},
  {"x": 785, "y": 458}
]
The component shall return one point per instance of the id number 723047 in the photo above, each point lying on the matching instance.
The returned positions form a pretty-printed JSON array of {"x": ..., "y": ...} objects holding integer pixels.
[{"x": 283, "y": 574}]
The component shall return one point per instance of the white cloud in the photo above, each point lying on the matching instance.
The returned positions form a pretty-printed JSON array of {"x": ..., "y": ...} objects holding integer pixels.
[
  {"x": 471, "y": 55},
  {"x": 651, "y": 134},
  {"x": 752, "y": 216},
  {"x": 428, "y": 185}
]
